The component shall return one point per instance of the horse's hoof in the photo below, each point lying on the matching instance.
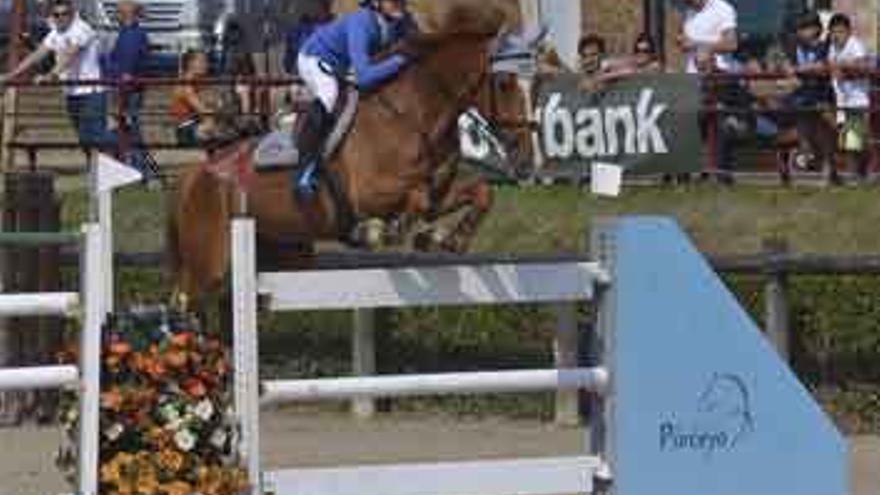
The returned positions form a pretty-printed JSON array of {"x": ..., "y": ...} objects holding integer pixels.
[
  {"x": 432, "y": 240},
  {"x": 369, "y": 234},
  {"x": 375, "y": 233}
]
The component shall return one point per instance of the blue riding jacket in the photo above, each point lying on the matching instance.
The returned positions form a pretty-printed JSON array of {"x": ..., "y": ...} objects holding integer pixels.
[{"x": 351, "y": 41}]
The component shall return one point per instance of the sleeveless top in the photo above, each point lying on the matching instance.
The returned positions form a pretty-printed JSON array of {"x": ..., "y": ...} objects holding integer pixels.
[{"x": 181, "y": 109}]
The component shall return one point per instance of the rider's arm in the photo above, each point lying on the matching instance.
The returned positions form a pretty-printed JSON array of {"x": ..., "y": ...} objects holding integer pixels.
[{"x": 367, "y": 73}]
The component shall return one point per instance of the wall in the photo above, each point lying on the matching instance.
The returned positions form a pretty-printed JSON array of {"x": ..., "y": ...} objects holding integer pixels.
[{"x": 618, "y": 21}]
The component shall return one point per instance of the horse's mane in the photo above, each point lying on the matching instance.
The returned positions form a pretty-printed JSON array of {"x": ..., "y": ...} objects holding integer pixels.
[{"x": 446, "y": 18}]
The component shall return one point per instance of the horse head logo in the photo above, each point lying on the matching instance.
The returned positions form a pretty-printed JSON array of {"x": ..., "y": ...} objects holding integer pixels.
[{"x": 725, "y": 405}]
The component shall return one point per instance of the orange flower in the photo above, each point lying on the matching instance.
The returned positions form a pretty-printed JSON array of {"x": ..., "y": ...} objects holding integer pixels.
[
  {"x": 175, "y": 359},
  {"x": 112, "y": 399},
  {"x": 155, "y": 369},
  {"x": 139, "y": 362},
  {"x": 195, "y": 388},
  {"x": 120, "y": 348},
  {"x": 182, "y": 339}
]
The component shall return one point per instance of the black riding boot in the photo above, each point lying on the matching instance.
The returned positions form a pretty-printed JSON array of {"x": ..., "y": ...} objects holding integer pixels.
[{"x": 310, "y": 143}]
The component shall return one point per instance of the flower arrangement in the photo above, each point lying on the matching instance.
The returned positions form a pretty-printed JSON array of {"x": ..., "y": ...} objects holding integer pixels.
[{"x": 167, "y": 425}]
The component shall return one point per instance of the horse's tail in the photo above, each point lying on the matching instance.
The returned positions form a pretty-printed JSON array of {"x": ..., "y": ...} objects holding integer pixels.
[{"x": 173, "y": 260}]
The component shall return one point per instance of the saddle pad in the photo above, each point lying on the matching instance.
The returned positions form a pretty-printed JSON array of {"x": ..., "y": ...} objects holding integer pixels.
[
  {"x": 276, "y": 150},
  {"x": 279, "y": 150}
]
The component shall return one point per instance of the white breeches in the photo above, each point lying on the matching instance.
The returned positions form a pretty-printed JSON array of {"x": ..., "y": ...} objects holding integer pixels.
[{"x": 324, "y": 86}]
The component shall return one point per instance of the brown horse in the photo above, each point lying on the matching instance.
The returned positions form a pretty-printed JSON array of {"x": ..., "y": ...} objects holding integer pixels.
[{"x": 398, "y": 162}]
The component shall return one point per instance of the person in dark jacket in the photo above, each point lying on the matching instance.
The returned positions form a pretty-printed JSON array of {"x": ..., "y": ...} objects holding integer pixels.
[
  {"x": 814, "y": 98},
  {"x": 127, "y": 64}
]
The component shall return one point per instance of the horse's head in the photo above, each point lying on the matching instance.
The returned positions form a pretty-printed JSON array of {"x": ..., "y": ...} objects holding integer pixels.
[{"x": 459, "y": 41}]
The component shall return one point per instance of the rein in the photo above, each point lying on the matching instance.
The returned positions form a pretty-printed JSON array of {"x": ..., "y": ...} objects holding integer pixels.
[{"x": 429, "y": 138}]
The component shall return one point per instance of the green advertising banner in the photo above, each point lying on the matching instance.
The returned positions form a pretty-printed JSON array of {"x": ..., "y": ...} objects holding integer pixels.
[{"x": 646, "y": 124}]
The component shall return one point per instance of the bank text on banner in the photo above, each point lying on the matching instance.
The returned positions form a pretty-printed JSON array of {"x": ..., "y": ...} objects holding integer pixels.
[{"x": 647, "y": 124}]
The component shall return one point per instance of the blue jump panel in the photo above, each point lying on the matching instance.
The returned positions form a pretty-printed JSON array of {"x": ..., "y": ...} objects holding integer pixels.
[{"x": 703, "y": 404}]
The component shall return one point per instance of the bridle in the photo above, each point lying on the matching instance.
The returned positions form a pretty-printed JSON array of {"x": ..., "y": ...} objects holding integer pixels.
[{"x": 429, "y": 137}]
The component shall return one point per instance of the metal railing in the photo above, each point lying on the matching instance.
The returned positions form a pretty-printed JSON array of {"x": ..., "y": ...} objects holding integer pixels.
[{"x": 711, "y": 109}]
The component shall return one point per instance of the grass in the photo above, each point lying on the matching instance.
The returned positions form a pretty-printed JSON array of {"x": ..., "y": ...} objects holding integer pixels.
[{"x": 556, "y": 219}]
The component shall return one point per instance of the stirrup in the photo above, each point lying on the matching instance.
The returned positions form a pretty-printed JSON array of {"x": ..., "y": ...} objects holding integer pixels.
[{"x": 307, "y": 182}]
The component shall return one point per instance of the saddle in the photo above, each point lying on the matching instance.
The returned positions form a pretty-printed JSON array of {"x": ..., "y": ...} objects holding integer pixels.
[{"x": 278, "y": 149}]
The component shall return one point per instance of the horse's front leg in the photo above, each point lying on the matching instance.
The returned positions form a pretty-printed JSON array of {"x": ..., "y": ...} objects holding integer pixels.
[{"x": 475, "y": 198}]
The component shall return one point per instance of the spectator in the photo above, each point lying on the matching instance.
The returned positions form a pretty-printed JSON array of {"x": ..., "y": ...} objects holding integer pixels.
[
  {"x": 593, "y": 62},
  {"x": 732, "y": 125},
  {"x": 246, "y": 95},
  {"x": 849, "y": 59},
  {"x": 127, "y": 64},
  {"x": 190, "y": 106},
  {"x": 812, "y": 100},
  {"x": 709, "y": 27},
  {"x": 243, "y": 70},
  {"x": 75, "y": 46},
  {"x": 645, "y": 58}
]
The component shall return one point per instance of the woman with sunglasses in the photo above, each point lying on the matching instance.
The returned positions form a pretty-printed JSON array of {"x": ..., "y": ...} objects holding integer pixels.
[{"x": 76, "y": 48}]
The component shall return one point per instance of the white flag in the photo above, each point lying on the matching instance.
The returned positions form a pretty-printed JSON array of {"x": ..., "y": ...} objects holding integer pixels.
[
  {"x": 113, "y": 174},
  {"x": 607, "y": 179}
]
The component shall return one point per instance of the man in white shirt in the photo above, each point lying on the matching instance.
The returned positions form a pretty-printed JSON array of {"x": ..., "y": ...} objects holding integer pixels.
[
  {"x": 709, "y": 25},
  {"x": 847, "y": 57},
  {"x": 77, "y": 58}
]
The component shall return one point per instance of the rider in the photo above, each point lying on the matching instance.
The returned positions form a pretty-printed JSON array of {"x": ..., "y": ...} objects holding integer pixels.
[{"x": 349, "y": 42}]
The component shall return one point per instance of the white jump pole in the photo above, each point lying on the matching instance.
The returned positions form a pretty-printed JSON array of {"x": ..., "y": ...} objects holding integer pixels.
[
  {"x": 105, "y": 219},
  {"x": 95, "y": 304},
  {"x": 38, "y": 377},
  {"x": 592, "y": 379},
  {"x": 45, "y": 304},
  {"x": 246, "y": 381}
]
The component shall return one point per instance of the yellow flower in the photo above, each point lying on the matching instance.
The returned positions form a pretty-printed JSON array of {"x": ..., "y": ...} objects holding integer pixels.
[
  {"x": 147, "y": 483},
  {"x": 171, "y": 460},
  {"x": 177, "y": 488},
  {"x": 111, "y": 473}
]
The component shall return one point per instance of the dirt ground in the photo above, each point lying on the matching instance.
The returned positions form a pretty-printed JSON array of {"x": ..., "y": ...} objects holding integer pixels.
[{"x": 326, "y": 440}]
